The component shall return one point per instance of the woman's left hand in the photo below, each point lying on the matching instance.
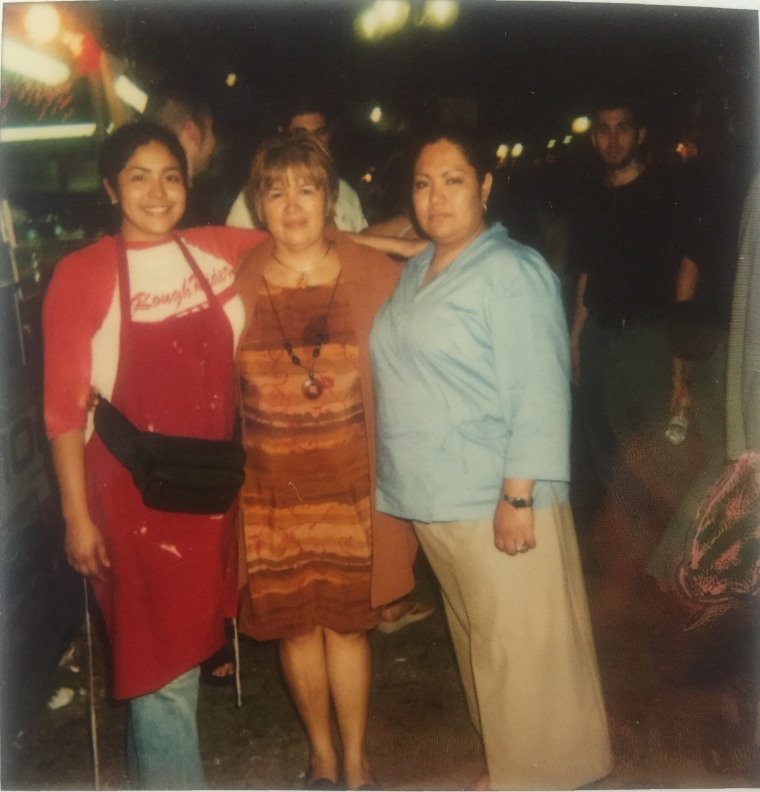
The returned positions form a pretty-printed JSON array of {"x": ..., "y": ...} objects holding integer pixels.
[{"x": 513, "y": 530}]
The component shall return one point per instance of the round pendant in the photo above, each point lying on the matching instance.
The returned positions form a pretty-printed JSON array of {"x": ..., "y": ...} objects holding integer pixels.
[{"x": 311, "y": 388}]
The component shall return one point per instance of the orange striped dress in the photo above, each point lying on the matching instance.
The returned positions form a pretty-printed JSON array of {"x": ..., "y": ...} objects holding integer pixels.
[{"x": 306, "y": 499}]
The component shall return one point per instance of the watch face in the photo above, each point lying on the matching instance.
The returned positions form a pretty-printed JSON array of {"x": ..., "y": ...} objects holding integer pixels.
[{"x": 519, "y": 503}]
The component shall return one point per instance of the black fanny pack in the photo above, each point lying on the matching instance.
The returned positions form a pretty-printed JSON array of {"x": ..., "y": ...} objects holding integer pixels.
[{"x": 174, "y": 474}]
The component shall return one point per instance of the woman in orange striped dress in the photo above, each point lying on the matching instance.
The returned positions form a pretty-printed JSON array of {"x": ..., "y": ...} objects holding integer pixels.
[{"x": 320, "y": 561}]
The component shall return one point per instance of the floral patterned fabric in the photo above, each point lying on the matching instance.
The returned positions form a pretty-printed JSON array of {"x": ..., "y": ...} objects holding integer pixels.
[{"x": 724, "y": 556}]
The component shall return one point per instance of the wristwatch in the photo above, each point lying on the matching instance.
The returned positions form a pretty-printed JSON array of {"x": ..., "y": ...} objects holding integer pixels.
[{"x": 518, "y": 503}]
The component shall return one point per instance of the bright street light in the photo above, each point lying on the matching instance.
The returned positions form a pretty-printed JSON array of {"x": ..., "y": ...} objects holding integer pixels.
[
  {"x": 46, "y": 132},
  {"x": 440, "y": 14},
  {"x": 42, "y": 22},
  {"x": 580, "y": 125}
]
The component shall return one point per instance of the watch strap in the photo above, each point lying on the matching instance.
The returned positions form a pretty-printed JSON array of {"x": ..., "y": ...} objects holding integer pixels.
[{"x": 518, "y": 503}]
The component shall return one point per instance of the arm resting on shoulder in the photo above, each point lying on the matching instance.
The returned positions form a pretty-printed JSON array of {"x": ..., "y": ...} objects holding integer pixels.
[{"x": 405, "y": 248}]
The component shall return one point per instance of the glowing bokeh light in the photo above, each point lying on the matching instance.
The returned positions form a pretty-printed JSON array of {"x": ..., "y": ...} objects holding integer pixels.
[
  {"x": 382, "y": 18},
  {"x": 580, "y": 125},
  {"x": 34, "y": 64},
  {"x": 551, "y": 144},
  {"x": 375, "y": 115},
  {"x": 368, "y": 25},
  {"x": 568, "y": 139},
  {"x": 687, "y": 150},
  {"x": 392, "y": 14},
  {"x": 231, "y": 79},
  {"x": 517, "y": 149},
  {"x": 42, "y": 23},
  {"x": 440, "y": 14},
  {"x": 502, "y": 151}
]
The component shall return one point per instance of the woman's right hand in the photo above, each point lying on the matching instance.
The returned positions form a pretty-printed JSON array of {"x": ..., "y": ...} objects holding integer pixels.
[{"x": 86, "y": 549}]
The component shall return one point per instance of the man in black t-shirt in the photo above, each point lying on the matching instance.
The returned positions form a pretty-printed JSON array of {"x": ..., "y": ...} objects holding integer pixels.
[{"x": 624, "y": 247}]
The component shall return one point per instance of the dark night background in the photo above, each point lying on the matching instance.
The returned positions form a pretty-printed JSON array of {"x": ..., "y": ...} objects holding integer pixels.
[{"x": 517, "y": 70}]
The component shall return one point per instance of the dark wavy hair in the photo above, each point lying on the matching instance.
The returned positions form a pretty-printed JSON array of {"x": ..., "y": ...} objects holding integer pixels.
[
  {"x": 122, "y": 144},
  {"x": 466, "y": 140}
]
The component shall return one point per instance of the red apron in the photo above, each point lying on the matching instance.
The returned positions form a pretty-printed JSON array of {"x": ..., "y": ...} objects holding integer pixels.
[{"x": 173, "y": 576}]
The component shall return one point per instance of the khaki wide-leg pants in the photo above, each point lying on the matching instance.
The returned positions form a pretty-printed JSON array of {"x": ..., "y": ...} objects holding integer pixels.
[{"x": 522, "y": 635}]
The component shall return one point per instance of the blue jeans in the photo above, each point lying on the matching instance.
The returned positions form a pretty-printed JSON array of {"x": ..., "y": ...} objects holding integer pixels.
[{"x": 162, "y": 737}]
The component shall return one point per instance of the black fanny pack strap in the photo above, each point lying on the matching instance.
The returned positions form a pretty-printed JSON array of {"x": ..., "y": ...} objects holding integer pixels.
[{"x": 119, "y": 435}]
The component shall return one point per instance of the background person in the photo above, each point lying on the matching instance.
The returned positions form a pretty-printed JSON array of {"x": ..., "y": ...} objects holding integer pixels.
[
  {"x": 471, "y": 364},
  {"x": 164, "y": 581},
  {"x": 625, "y": 247},
  {"x": 306, "y": 115},
  {"x": 188, "y": 115},
  {"x": 319, "y": 558}
]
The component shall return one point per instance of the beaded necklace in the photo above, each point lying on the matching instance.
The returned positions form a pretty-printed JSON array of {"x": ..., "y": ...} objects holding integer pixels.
[{"x": 311, "y": 388}]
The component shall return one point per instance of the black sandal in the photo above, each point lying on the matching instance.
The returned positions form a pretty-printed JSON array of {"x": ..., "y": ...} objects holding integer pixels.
[{"x": 219, "y": 658}]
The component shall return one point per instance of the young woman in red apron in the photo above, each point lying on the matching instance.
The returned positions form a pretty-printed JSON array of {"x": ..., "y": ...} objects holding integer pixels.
[{"x": 164, "y": 581}]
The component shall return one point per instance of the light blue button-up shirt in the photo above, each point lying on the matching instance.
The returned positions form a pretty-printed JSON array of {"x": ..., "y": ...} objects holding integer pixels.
[{"x": 471, "y": 383}]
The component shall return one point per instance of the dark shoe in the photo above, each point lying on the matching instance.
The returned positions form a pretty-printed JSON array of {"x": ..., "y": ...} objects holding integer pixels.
[
  {"x": 208, "y": 666},
  {"x": 322, "y": 783}
]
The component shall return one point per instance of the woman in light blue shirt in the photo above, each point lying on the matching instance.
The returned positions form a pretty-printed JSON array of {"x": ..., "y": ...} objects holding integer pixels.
[{"x": 471, "y": 367}]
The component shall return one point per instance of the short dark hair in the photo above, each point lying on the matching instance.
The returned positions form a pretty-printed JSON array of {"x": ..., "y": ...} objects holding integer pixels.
[
  {"x": 618, "y": 101},
  {"x": 301, "y": 152},
  {"x": 466, "y": 140},
  {"x": 122, "y": 144},
  {"x": 302, "y": 104},
  {"x": 173, "y": 108}
]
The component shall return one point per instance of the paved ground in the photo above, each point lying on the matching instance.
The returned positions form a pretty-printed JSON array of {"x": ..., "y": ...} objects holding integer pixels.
[
  {"x": 681, "y": 707},
  {"x": 681, "y": 690}
]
